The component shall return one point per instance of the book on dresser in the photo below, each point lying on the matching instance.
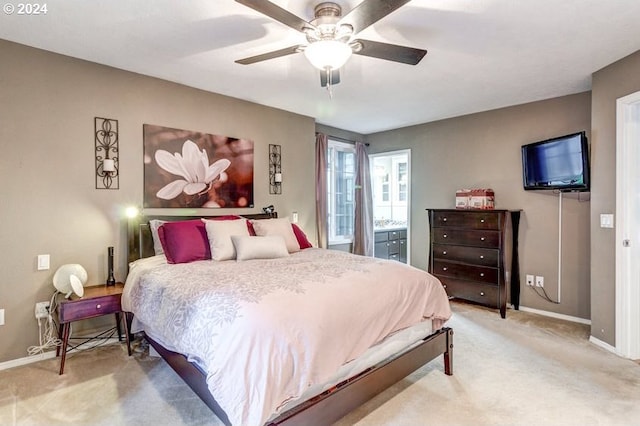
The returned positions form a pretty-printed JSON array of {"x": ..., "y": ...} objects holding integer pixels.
[{"x": 474, "y": 253}]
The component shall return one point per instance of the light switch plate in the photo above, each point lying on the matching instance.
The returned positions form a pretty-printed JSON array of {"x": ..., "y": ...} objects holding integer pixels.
[
  {"x": 606, "y": 220},
  {"x": 1, "y": 316},
  {"x": 43, "y": 262}
]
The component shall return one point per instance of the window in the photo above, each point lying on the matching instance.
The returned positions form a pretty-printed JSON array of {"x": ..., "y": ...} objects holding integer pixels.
[{"x": 341, "y": 180}]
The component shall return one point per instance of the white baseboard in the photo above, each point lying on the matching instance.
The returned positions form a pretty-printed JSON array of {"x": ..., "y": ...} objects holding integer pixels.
[
  {"x": 27, "y": 360},
  {"x": 592, "y": 339},
  {"x": 556, "y": 315},
  {"x": 603, "y": 345},
  {"x": 52, "y": 354}
]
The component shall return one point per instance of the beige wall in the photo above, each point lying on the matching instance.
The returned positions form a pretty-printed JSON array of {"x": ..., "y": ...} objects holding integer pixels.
[
  {"x": 616, "y": 80},
  {"x": 49, "y": 202},
  {"x": 483, "y": 151}
]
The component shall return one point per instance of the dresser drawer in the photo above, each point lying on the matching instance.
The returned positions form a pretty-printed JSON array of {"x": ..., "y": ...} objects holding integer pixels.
[
  {"x": 465, "y": 271},
  {"x": 473, "y": 255},
  {"x": 475, "y": 220},
  {"x": 487, "y": 295},
  {"x": 89, "y": 308},
  {"x": 480, "y": 238}
]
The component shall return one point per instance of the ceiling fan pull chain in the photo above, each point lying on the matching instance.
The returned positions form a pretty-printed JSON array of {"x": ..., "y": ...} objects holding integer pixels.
[{"x": 329, "y": 82}]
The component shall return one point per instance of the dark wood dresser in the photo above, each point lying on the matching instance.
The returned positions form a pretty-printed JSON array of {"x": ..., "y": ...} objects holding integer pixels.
[{"x": 474, "y": 253}]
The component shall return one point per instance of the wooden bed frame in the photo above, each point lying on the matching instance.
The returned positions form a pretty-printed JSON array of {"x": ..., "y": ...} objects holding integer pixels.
[{"x": 322, "y": 409}]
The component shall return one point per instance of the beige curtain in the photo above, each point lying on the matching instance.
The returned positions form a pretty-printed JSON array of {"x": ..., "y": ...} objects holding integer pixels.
[
  {"x": 363, "y": 227},
  {"x": 321, "y": 189}
]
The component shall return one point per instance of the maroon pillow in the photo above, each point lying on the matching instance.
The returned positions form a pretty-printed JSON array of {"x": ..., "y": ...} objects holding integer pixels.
[
  {"x": 184, "y": 241},
  {"x": 301, "y": 237}
]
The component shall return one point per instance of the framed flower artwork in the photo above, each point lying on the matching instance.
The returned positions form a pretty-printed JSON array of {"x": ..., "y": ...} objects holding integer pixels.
[{"x": 188, "y": 169}]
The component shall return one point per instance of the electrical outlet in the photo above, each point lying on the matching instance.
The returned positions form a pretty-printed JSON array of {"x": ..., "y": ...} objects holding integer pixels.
[
  {"x": 530, "y": 280},
  {"x": 42, "y": 310},
  {"x": 539, "y": 281}
]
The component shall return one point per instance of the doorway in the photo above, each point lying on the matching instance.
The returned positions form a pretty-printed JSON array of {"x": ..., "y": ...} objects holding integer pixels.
[
  {"x": 628, "y": 227},
  {"x": 391, "y": 184}
]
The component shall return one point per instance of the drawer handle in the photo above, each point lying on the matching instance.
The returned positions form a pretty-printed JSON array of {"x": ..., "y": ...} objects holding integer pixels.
[
  {"x": 394, "y": 242},
  {"x": 482, "y": 293},
  {"x": 444, "y": 219},
  {"x": 401, "y": 242},
  {"x": 98, "y": 306},
  {"x": 387, "y": 244},
  {"x": 444, "y": 269},
  {"x": 444, "y": 252},
  {"x": 481, "y": 238},
  {"x": 482, "y": 274},
  {"x": 444, "y": 236},
  {"x": 481, "y": 256},
  {"x": 481, "y": 220}
]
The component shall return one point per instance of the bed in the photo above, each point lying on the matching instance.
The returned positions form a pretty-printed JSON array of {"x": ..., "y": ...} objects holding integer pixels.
[{"x": 305, "y": 373}]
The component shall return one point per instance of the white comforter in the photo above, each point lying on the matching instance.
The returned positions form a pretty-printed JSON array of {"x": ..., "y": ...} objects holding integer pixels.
[{"x": 266, "y": 330}]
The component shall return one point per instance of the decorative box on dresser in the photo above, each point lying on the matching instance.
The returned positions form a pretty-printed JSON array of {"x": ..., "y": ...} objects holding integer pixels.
[{"x": 474, "y": 253}]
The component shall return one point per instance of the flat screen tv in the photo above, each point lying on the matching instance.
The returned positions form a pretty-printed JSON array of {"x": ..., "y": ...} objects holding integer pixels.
[{"x": 560, "y": 164}]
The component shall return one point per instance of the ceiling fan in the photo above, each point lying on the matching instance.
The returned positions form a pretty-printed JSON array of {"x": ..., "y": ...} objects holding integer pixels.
[{"x": 331, "y": 36}]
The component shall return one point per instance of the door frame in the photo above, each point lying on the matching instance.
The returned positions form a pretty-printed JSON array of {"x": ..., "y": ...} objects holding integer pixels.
[
  {"x": 628, "y": 226},
  {"x": 406, "y": 151}
]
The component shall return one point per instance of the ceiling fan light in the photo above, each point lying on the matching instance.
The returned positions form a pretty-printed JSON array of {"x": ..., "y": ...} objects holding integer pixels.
[{"x": 325, "y": 54}]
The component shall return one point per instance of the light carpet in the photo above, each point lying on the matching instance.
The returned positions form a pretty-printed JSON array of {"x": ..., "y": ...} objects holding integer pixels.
[{"x": 522, "y": 370}]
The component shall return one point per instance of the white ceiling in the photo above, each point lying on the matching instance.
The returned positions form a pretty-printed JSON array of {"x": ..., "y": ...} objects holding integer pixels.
[{"x": 482, "y": 54}]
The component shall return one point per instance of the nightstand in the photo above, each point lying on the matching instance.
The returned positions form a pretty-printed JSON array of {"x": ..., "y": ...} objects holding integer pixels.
[{"x": 97, "y": 301}]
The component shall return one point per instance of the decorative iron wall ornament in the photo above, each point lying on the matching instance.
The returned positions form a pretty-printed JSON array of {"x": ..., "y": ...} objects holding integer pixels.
[
  {"x": 275, "y": 169},
  {"x": 106, "y": 145}
]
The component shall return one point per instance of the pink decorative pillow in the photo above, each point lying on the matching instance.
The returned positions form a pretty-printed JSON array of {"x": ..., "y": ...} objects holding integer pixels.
[
  {"x": 281, "y": 227},
  {"x": 303, "y": 241},
  {"x": 184, "y": 241}
]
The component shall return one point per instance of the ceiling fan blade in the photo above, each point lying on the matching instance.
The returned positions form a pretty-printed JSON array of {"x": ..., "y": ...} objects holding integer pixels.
[
  {"x": 271, "y": 55},
  {"x": 324, "y": 78},
  {"x": 390, "y": 52},
  {"x": 279, "y": 14},
  {"x": 369, "y": 12}
]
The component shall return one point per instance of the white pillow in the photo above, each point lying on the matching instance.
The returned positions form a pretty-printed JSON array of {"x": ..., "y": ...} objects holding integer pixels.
[
  {"x": 154, "y": 224},
  {"x": 250, "y": 247},
  {"x": 220, "y": 232},
  {"x": 280, "y": 227}
]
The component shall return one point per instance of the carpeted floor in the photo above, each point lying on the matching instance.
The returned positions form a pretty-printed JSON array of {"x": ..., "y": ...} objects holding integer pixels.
[{"x": 524, "y": 370}]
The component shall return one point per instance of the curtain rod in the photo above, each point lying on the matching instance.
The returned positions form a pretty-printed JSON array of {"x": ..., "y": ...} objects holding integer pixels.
[{"x": 339, "y": 139}]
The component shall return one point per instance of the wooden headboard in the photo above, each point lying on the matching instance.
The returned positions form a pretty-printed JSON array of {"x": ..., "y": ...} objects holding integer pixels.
[{"x": 140, "y": 242}]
